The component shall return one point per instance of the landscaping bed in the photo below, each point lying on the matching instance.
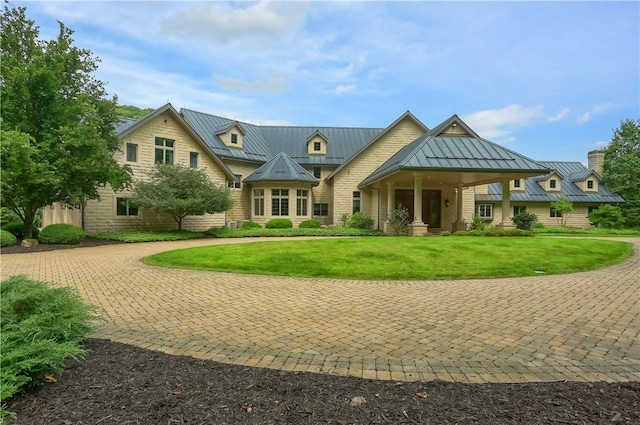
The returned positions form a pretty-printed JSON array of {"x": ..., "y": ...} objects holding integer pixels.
[{"x": 122, "y": 384}]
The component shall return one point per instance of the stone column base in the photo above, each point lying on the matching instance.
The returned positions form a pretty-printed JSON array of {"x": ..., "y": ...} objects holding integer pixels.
[
  {"x": 388, "y": 229},
  {"x": 418, "y": 229},
  {"x": 505, "y": 225}
]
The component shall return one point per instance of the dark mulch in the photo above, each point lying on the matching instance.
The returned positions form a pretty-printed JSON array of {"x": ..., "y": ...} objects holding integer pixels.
[
  {"x": 86, "y": 242},
  {"x": 123, "y": 384}
]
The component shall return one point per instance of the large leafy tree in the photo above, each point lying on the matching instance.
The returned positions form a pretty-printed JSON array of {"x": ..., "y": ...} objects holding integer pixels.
[
  {"x": 622, "y": 169},
  {"x": 180, "y": 191},
  {"x": 58, "y": 126}
]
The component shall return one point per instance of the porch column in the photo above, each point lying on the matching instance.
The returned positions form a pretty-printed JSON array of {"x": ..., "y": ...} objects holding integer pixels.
[
  {"x": 391, "y": 200},
  {"x": 506, "y": 206},
  {"x": 459, "y": 224},
  {"x": 418, "y": 228}
]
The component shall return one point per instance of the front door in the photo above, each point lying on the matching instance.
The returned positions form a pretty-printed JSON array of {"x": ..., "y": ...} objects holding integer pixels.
[{"x": 431, "y": 211}]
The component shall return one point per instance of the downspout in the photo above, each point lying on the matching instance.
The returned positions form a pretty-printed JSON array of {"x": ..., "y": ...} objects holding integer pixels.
[{"x": 378, "y": 206}]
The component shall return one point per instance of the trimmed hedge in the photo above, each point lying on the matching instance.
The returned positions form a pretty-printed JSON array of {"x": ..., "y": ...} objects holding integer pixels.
[
  {"x": 310, "y": 224},
  {"x": 7, "y": 239},
  {"x": 279, "y": 223},
  {"x": 64, "y": 234},
  {"x": 251, "y": 225}
]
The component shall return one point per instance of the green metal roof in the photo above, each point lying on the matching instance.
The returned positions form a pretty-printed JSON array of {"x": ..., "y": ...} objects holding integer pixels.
[
  {"x": 437, "y": 150},
  {"x": 281, "y": 168},
  {"x": 570, "y": 172}
]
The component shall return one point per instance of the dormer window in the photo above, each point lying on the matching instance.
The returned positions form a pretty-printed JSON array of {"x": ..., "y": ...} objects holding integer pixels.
[
  {"x": 552, "y": 184},
  {"x": 317, "y": 146},
  {"x": 234, "y": 139},
  {"x": 589, "y": 184},
  {"x": 516, "y": 183}
]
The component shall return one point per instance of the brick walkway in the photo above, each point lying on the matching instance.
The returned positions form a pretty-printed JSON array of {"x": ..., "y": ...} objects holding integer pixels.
[{"x": 581, "y": 326}]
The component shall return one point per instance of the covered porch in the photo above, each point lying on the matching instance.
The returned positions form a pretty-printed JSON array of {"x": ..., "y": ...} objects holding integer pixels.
[{"x": 432, "y": 177}]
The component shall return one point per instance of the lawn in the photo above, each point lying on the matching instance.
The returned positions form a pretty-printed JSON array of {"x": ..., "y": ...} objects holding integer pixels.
[{"x": 402, "y": 258}]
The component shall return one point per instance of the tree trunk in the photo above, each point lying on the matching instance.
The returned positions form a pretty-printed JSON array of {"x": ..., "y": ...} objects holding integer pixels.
[{"x": 29, "y": 215}]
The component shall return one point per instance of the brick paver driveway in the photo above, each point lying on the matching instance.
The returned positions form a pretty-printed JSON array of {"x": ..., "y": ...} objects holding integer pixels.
[{"x": 582, "y": 326}]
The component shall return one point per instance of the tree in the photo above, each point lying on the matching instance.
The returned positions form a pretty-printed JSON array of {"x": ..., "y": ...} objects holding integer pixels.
[
  {"x": 180, "y": 191},
  {"x": 622, "y": 169},
  {"x": 607, "y": 216},
  {"x": 130, "y": 111},
  {"x": 562, "y": 206},
  {"x": 58, "y": 127}
]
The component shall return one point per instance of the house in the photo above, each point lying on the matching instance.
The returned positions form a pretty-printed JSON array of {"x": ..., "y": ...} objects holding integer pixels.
[{"x": 324, "y": 173}]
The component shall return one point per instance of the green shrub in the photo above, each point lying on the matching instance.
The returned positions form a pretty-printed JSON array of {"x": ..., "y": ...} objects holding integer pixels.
[
  {"x": 310, "y": 224},
  {"x": 279, "y": 223},
  {"x": 8, "y": 216},
  {"x": 399, "y": 220},
  {"x": 275, "y": 233},
  {"x": 16, "y": 228},
  {"x": 493, "y": 232},
  {"x": 64, "y": 234},
  {"x": 477, "y": 223},
  {"x": 445, "y": 233},
  {"x": 7, "y": 239},
  {"x": 344, "y": 220},
  {"x": 40, "y": 327},
  {"x": 251, "y": 225},
  {"x": 132, "y": 237},
  {"x": 607, "y": 216},
  {"x": 524, "y": 220},
  {"x": 360, "y": 221}
]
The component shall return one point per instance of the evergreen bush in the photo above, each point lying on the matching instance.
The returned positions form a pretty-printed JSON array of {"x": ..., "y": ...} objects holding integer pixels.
[
  {"x": 16, "y": 228},
  {"x": 251, "y": 225},
  {"x": 7, "y": 238},
  {"x": 360, "y": 221},
  {"x": 64, "y": 234},
  {"x": 607, "y": 216},
  {"x": 477, "y": 223},
  {"x": 279, "y": 223},
  {"x": 525, "y": 220},
  {"x": 310, "y": 224}
]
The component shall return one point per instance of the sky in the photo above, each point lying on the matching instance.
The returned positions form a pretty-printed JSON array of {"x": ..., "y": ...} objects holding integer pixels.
[{"x": 549, "y": 80}]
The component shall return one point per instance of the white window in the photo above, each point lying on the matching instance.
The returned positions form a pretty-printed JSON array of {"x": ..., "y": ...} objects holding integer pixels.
[
  {"x": 280, "y": 202},
  {"x": 236, "y": 183},
  {"x": 485, "y": 211},
  {"x": 356, "y": 202},
  {"x": 302, "y": 200},
  {"x": 193, "y": 159},
  {"x": 258, "y": 202},
  {"x": 164, "y": 150},
  {"x": 320, "y": 210}
]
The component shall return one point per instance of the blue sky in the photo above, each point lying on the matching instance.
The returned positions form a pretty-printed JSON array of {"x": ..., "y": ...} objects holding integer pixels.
[{"x": 550, "y": 80}]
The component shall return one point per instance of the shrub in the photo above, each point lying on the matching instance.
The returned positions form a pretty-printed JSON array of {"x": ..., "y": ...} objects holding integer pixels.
[
  {"x": 132, "y": 237},
  {"x": 477, "y": 223},
  {"x": 607, "y": 216},
  {"x": 40, "y": 327},
  {"x": 445, "y": 233},
  {"x": 310, "y": 224},
  {"x": 344, "y": 220},
  {"x": 360, "y": 221},
  {"x": 524, "y": 220},
  {"x": 8, "y": 216},
  {"x": 279, "y": 223},
  {"x": 64, "y": 234},
  {"x": 16, "y": 228},
  {"x": 7, "y": 239},
  {"x": 399, "y": 220},
  {"x": 251, "y": 225}
]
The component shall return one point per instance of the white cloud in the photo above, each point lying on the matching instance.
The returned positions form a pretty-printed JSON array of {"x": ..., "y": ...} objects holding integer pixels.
[
  {"x": 492, "y": 123},
  {"x": 275, "y": 83},
  {"x": 344, "y": 88},
  {"x": 560, "y": 115},
  {"x": 584, "y": 118},
  {"x": 600, "y": 145},
  {"x": 257, "y": 22}
]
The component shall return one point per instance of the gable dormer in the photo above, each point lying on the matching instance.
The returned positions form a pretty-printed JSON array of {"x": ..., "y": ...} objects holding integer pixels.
[
  {"x": 587, "y": 181},
  {"x": 517, "y": 185},
  {"x": 453, "y": 127},
  {"x": 552, "y": 183},
  {"x": 231, "y": 135},
  {"x": 317, "y": 144}
]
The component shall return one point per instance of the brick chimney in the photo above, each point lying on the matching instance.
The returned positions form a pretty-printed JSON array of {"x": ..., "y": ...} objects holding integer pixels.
[{"x": 596, "y": 161}]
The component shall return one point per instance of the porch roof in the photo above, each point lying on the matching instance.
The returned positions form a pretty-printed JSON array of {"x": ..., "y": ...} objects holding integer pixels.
[
  {"x": 452, "y": 147},
  {"x": 281, "y": 168}
]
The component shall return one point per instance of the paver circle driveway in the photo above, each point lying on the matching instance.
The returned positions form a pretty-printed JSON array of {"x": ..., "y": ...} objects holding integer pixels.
[{"x": 580, "y": 326}]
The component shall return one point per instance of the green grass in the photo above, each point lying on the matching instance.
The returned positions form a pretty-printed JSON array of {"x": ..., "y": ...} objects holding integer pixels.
[
  {"x": 402, "y": 258},
  {"x": 588, "y": 231}
]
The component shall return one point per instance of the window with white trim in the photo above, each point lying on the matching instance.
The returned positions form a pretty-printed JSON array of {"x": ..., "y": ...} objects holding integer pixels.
[
  {"x": 317, "y": 146},
  {"x": 356, "y": 202},
  {"x": 485, "y": 211},
  {"x": 519, "y": 209},
  {"x": 317, "y": 172},
  {"x": 552, "y": 184},
  {"x": 589, "y": 184},
  {"x": 123, "y": 208},
  {"x": 302, "y": 200},
  {"x": 258, "y": 202},
  {"x": 236, "y": 183},
  {"x": 516, "y": 183},
  {"x": 164, "y": 150},
  {"x": 193, "y": 159},
  {"x": 234, "y": 139},
  {"x": 554, "y": 213},
  {"x": 280, "y": 202}
]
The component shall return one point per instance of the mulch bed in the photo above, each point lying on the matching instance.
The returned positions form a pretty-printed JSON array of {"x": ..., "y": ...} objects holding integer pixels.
[
  {"x": 41, "y": 247},
  {"x": 122, "y": 384}
]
